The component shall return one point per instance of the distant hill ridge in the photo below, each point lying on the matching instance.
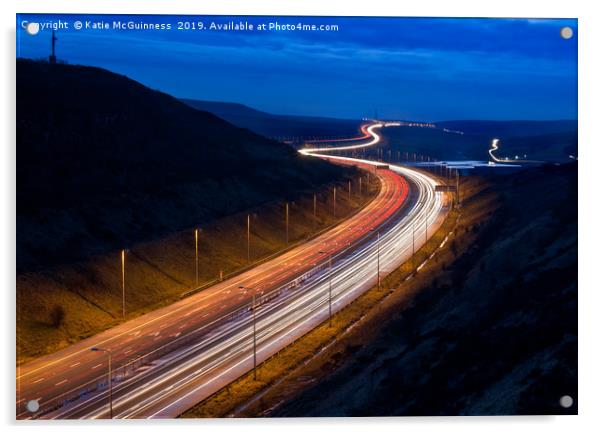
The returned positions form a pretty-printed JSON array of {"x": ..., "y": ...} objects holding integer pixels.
[
  {"x": 277, "y": 125},
  {"x": 99, "y": 153},
  {"x": 515, "y": 128}
]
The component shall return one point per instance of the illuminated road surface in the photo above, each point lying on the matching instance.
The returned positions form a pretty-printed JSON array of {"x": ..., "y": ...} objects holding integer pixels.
[{"x": 200, "y": 344}]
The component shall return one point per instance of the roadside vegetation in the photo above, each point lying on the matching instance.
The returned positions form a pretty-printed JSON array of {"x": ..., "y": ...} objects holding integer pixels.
[
  {"x": 61, "y": 305},
  {"x": 139, "y": 170}
]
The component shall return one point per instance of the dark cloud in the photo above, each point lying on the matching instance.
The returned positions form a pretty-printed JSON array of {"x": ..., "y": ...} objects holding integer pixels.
[{"x": 426, "y": 68}]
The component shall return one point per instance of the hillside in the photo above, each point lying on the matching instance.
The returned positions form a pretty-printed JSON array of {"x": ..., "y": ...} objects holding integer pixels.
[
  {"x": 494, "y": 332},
  {"x": 104, "y": 162},
  {"x": 272, "y": 125}
]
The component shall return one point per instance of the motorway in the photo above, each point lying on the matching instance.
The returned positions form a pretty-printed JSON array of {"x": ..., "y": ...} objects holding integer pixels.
[{"x": 166, "y": 361}]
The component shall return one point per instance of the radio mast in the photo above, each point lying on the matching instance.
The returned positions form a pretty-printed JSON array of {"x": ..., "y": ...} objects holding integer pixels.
[{"x": 52, "y": 57}]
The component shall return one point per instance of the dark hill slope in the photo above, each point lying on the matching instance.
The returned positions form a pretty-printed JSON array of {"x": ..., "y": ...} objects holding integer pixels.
[
  {"x": 495, "y": 335},
  {"x": 104, "y": 162},
  {"x": 272, "y": 125}
]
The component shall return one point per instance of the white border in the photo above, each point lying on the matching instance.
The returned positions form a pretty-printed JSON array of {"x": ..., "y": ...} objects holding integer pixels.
[{"x": 590, "y": 75}]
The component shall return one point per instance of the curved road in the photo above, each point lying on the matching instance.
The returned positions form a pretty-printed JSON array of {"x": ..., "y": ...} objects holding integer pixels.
[{"x": 166, "y": 361}]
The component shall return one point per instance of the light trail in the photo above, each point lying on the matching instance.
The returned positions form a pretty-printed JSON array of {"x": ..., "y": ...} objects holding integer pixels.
[
  {"x": 197, "y": 356},
  {"x": 375, "y": 138},
  {"x": 494, "y": 148},
  {"x": 507, "y": 161}
]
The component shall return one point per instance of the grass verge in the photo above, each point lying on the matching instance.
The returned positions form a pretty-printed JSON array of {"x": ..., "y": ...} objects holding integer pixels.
[
  {"x": 62, "y": 305},
  {"x": 248, "y": 397}
]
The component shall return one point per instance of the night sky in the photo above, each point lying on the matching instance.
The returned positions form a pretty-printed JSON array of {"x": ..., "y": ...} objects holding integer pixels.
[{"x": 427, "y": 69}]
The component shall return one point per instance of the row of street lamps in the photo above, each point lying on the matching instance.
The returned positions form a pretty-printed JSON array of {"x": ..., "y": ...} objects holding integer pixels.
[
  {"x": 253, "y": 308},
  {"x": 197, "y": 235},
  {"x": 254, "y": 304}
]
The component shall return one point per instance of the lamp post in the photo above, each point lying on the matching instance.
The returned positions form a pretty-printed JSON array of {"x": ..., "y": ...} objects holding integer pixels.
[
  {"x": 426, "y": 229},
  {"x": 457, "y": 187},
  {"x": 315, "y": 209},
  {"x": 253, "y": 308},
  {"x": 413, "y": 244},
  {"x": 248, "y": 237},
  {"x": 349, "y": 190},
  {"x": 104, "y": 350},
  {"x": 196, "y": 256},
  {"x": 123, "y": 283},
  {"x": 286, "y": 221},
  {"x": 334, "y": 202}
]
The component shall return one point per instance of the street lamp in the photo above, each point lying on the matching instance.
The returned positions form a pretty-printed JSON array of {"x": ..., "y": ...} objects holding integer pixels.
[
  {"x": 329, "y": 286},
  {"x": 426, "y": 229},
  {"x": 248, "y": 237},
  {"x": 196, "y": 254},
  {"x": 457, "y": 187},
  {"x": 104, "y": 350},
  {"x": 286, "y": 221},
  {"x": 315, "y": 208},
  {"x": 123, "y": 283},
  {"x": 253, "y": 307},
  {"x": 349, "y": 190},
  {"x": 334, "y": 202},
  {"x": 413, "y": 244}
]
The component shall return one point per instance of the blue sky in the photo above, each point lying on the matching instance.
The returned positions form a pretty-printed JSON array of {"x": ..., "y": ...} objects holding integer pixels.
[{"x": 406, "y": 68}]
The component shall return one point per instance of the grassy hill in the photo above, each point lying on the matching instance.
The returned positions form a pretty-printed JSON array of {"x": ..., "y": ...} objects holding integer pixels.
[
  {"x": 272, "y": 125},
  {"x": 105, "y": 162}
]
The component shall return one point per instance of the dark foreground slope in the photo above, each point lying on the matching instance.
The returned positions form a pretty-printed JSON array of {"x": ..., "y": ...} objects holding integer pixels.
[
  {"x": 496, "y": 333},
  {"x": 272, "y": 125},
  {"x": 104, "y": 162}
]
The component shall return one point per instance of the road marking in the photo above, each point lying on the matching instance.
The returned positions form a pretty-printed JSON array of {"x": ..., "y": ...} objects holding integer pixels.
[
  {"x": 38, "y": 380},
  {"x": 94, "y": 367},
  {"x": 61, "y": 382},
  {"x": 75, "y": 364}
]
